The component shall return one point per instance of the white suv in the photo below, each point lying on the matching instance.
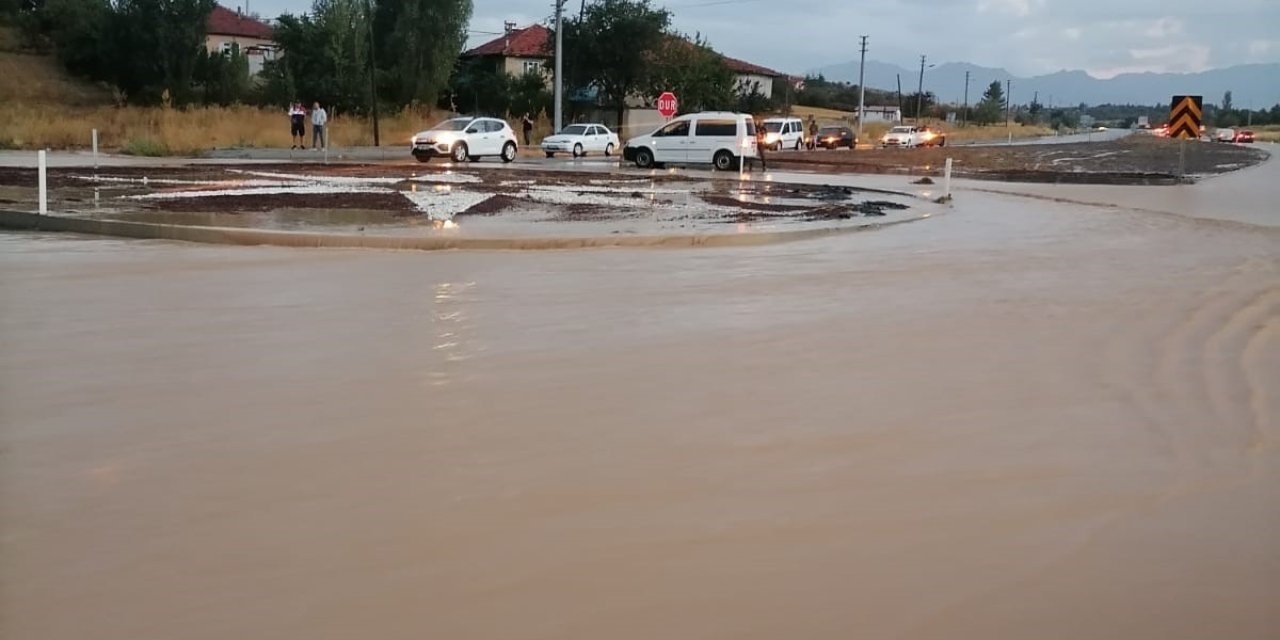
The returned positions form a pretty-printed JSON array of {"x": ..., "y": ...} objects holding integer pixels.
[
  {"x": 719, "y": 138},
  {"x": 466, "y": 138},
  {"x": 784, "y": 133}
]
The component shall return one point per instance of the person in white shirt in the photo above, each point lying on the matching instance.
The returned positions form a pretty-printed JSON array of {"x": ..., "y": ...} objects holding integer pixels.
[{"x": 318, "y": 120}]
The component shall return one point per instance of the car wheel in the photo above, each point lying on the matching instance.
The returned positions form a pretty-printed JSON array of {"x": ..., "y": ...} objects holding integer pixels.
[
  {"x": 551, "y": 154},
  {"x": 799, "y": 143},
  {"x": 422, "y": 158},
  {"x": 608, "y": 149},
  {"x": 509, "y": 152},
  {"x": 577, "y": 151},
  {"x": 460, "y": 152},
  {"x": 723, "y": 160},
  {"x": 942, "y": 142},
  {"x": 644, "y": 158}
]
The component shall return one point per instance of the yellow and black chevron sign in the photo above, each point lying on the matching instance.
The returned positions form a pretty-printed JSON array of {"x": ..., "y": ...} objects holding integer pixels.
[{"x": 1184, "y": 117}]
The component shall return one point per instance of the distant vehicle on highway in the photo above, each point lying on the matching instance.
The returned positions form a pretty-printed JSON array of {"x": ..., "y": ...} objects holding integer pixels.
[
  {"x": 836, "y": 137},
  {"x": 784, "y": 133},
  {"x": 581, "y": 139},
  {"x": 465, "y": 138},
  {"x": 720, "y": 138},
  {"x": 1224, "y": 135},
  {"x": 907, "y": 137},
  {"x": 1244, "y": 135}
]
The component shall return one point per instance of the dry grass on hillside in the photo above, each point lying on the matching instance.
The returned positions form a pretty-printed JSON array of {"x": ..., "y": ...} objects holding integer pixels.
[{"x": 159, "y": 131}]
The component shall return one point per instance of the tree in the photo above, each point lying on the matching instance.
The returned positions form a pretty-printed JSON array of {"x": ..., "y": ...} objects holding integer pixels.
[
  {"x": 1226, "y": 101},
  {"x": 528, "y": 94},
  {"x": 614, "y": 44},
  {"x": 326, "y": 54},
  {"x": 155, "y": 46},
  {"x": 694, "y": 72},
  {"x": 992, "y": 103},
  {"x": 418, "y": 42},
  {"x": 224, "y": 77}
]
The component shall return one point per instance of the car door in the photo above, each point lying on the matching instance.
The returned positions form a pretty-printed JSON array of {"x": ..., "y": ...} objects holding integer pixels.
[
  {"x": 710, "y": 136},
  {"x": 670, "y": 142},
  {"x": 599, "y": 139},
  {"x": 493, "y": 137}
]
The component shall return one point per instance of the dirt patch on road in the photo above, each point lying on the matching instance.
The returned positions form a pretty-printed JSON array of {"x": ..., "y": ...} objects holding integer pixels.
[
  {"x": 1136, "y": 159},
  {"x": 388, "y": 202}
]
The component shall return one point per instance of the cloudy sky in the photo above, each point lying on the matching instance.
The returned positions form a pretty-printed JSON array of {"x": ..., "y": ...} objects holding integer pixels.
[{"x": 1026, "y": 37}]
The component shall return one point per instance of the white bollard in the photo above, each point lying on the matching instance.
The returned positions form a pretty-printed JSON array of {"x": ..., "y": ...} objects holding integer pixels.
[
  {"x": 95, "y": 149},
  {"x": 946, "y": 180},
  {"x": 44, "y": 190}
]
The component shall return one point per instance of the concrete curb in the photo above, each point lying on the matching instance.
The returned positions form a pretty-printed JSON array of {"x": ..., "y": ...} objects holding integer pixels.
[{"x": 23, "y": 220}]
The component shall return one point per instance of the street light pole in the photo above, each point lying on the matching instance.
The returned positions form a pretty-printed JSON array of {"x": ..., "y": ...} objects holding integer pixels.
[
  {"x": 559, "y": 83},
  {"x": 920, "y": 91},
  {"x": 862, "y": 86},
  {"x": 373, "y": 74},
  {"x": 964, "y": 115}
]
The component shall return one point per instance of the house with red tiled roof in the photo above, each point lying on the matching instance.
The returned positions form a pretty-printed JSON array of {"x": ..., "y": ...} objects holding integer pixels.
[
  {"x": 226, "y": 30},
  {"x": 518, "y": 51},
  {"x": 530, "y": 49},
  {"x": 752, "y": 76}
]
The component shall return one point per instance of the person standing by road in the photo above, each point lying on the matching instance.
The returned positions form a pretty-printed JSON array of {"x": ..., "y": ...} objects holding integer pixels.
[
  {"x": 813, "y": 132},
  {"x": 761, "y": 134},
  {"x": 319, "y": 119},
  {"x": 297, "y": 126},
  {"x": 526, "y": 124}
]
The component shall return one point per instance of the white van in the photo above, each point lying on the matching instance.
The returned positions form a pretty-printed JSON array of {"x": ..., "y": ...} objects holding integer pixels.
[
  {"x": 719, "y": 138},
  {"x": 784, "y": 133}
]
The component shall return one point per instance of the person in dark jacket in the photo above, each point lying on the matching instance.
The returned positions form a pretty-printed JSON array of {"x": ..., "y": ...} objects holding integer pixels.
[
  {"x": 526, "y": 124},
  {"x": 761, "y": 132}
]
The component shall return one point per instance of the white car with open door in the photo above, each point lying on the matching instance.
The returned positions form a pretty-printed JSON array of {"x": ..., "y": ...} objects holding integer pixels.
[
  {"x": 466, "y": 138},
  {"x": 719, "y": 138},
  {"x": 581, "y": 139}
]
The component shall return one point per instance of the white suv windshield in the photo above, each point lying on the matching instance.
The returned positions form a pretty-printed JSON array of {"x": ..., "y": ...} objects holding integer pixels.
[
  {"x": 456, "y": 124},
  {"x": 575, "y": 130},
  {"x": 900, "y": 130}
]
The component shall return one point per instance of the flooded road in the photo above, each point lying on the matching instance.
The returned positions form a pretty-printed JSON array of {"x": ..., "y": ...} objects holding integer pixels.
[{"x": 1024, "y": 418}]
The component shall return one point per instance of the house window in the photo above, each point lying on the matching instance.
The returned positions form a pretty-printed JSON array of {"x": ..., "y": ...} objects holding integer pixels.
[
  {"x": 533, "y": 66},
  {"x": 228, "y": 48}
]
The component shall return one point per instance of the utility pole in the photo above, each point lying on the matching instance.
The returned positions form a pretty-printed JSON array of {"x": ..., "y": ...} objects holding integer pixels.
[
  {"x": 373, "y": 74},
  {"x": 964, "y": 120},
  {"x": 1008, "y": 101},
  {"x": 862, "y": 85},
  {"x": 899, "y": 76},
  {"x": 559, "y": 84},
  {"x": 920, "y": 91}
]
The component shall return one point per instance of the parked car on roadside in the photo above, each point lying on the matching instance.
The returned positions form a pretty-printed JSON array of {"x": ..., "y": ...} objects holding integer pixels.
[
  {"x": 784, "y": 133},
  {"x": 720, "y": 138},
  {"x": 465, "y": 138},
  {"x": 933, "y": 137},
  {"x": 581, "y": 139},
  {"x": 836, "y": 137},
  {"x": 904, "y": 136}
]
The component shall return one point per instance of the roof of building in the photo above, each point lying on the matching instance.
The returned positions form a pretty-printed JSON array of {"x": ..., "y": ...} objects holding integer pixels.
[
  {"x": 225, "y": 22},
  {"x": 529, "y": 42},
  {"x": 743, "y": 67}
]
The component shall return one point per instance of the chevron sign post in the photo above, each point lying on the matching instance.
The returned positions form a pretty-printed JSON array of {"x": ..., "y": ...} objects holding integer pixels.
[{"x": 1184, "y": 117}]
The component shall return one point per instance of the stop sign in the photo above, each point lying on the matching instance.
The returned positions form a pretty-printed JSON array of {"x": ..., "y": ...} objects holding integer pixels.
[{"x": 667, "y": 104}]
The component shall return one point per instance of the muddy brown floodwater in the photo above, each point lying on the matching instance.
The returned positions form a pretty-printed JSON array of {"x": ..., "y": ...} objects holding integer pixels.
[{"x": 1023, "y": 419}]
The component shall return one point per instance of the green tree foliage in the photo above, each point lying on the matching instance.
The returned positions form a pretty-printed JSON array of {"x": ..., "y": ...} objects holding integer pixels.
[
  {"x": 694, "y": 72},
  {"x": 156, "y": 44},
  {"x": 991, "y": 108},
  {"x": 80, "y": 33},
  {"x": 825, "y": 94},
  {"x": 224, "y": 77},
  {"x": 614, "y": 43},
  {"x": 418, "y": 42}
]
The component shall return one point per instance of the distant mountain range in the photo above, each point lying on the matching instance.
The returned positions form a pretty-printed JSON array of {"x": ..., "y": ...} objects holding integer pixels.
[{"x": 1252, "y": 85}]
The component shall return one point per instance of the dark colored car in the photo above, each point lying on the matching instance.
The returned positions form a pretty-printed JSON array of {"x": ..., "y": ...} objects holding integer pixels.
[
  {"x": 933, "y": 137},
  {"x": 836, "y": 137},
  {"x": 1244, "y": 135}
]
